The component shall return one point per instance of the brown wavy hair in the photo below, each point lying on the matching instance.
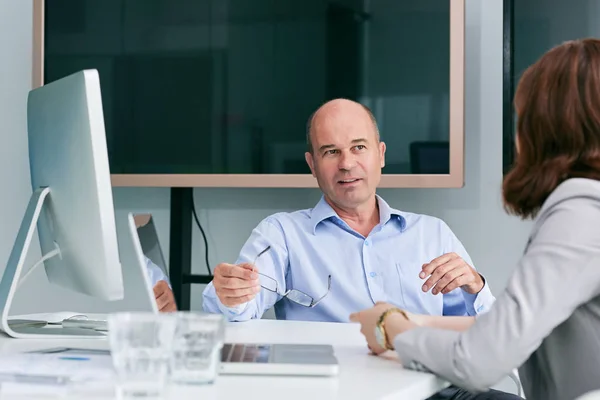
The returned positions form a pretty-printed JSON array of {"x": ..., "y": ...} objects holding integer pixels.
[{"x": 557, "y": 103}]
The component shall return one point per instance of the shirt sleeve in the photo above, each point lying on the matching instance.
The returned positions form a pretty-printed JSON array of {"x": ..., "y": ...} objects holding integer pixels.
[
  {"x": 563, "y": 253},
  {"x": 272, "y": 264},
  {"x": 458, "y": 302},
  {"x": 155, "y": 273}
]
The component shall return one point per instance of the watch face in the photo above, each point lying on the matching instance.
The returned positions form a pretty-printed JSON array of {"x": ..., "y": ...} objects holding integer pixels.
[{"x": 379, "y": 337}]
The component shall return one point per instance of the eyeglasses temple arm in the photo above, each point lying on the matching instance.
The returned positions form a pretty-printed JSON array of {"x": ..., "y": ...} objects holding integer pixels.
[{"x": 314, "y": 303}]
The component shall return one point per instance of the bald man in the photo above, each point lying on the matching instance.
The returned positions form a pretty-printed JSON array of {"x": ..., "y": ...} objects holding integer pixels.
[{"x": 352, "y": 249}]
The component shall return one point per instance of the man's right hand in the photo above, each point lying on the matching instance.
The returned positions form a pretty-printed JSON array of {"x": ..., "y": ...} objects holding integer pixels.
[{"x": 236, "y": 284}]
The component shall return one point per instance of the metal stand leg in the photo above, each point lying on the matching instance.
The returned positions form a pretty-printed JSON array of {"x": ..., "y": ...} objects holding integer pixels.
[{"x": 180, "y": 248}]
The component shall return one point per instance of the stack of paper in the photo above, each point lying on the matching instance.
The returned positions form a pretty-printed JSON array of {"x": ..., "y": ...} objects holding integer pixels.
[
  {"x": 35, "y": 372},
  {"x": 73, "y": 366}
]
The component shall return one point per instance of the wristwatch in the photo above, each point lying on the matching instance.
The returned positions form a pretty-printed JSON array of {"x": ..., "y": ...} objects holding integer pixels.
[{"x": 380, "y": 333}]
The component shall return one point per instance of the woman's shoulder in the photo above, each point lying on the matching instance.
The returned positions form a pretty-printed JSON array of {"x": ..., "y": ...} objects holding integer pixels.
[
  {"x": 571, "y": 211},
  {"x": 572, "y": 193}
]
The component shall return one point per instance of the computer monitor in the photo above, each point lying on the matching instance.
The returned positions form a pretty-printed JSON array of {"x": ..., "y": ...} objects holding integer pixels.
[{"x": 72, "y": 202}]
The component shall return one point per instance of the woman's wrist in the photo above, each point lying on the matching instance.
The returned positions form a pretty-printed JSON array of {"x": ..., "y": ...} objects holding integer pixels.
[
  {"x": 418, "y": 319},
  {"x": 396, "y": 324}
]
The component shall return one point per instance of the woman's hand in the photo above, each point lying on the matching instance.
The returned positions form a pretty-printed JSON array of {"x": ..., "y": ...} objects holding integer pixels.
[{"x": 395, "y": 323}]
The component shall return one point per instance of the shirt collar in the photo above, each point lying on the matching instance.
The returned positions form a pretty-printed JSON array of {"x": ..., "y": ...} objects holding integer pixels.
[
  {"x": 386, "y": 213},
  {"x": 323, "y": 211}
]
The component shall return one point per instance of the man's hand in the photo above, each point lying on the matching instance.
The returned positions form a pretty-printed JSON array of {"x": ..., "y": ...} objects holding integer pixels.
[
  {"x": 236, "y": 284},
  {"x": 448, "y": 272},
  {"x": 165, "y": 300}
]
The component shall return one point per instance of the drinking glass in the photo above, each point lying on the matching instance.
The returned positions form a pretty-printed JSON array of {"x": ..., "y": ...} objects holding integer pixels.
[
  {"x": 141, "y": 346},
  {"x": 197, "y": 345}
]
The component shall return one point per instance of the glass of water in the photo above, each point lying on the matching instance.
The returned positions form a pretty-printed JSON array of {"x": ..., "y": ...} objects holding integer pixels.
[
  {"x": 141, "y": 346},
  {"x": 197, "y": 348}
]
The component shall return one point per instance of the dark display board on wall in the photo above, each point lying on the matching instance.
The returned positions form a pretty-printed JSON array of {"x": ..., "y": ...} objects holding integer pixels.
[{"x": 226, "y": 86}]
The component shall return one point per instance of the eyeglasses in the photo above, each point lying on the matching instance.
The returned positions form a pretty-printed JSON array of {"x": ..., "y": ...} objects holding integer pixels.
[{"x": 294, "y": 295}]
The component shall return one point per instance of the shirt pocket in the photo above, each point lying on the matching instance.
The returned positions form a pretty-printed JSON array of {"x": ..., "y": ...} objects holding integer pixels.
[
  {"x": 414, "y": 299},
  {"x": 392, "y": 287}
]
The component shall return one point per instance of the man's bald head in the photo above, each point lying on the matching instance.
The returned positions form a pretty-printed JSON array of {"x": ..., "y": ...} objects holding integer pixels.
[
  {"x": 345, "y": 154},
  {"x": 333, "y": 108}
]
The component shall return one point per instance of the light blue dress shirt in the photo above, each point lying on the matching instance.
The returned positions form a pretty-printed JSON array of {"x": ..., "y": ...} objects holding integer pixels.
[
  {"x": 155, "y": 273},
  {"x": 309, "y": 245}
]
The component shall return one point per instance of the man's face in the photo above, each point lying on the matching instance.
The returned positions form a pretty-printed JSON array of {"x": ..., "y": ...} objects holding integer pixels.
[{"x": 347, "y": 156}]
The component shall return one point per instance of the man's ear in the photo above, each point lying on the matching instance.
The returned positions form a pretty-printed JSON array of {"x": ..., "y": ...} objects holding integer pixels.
[
  {"x": 311, "y": 162},
  {"x": 382, "y": 153}
]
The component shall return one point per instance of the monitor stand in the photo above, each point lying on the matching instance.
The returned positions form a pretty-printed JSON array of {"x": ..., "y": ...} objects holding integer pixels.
[{"x": 12, "y": 274}]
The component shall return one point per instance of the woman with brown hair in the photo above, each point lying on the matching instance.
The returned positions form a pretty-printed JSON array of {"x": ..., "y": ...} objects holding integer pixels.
[{"x": 547, "y": 321}]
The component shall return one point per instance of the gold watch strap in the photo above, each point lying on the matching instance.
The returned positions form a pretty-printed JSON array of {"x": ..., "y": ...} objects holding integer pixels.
[{"x": 381, "y": 324}]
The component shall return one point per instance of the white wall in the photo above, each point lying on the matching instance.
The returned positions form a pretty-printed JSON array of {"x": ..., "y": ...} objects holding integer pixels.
[{"x": 15, "y": 81}]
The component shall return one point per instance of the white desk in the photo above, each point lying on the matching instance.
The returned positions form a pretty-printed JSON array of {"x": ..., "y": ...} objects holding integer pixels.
[{"x": 361, "y": 376}]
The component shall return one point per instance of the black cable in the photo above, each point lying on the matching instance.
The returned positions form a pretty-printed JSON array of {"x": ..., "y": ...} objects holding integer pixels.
[
  {"x": 193, "y": 201},
  {"x": 203, "y": 235}
]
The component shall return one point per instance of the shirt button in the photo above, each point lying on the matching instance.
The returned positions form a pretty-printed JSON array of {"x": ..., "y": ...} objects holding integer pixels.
[
  {"x": 373, "y": 274},
  {"x": 366, "y": 242}
]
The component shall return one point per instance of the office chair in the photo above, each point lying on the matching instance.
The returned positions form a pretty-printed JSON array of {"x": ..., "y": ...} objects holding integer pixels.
[{"x": 514, "y": 376}]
